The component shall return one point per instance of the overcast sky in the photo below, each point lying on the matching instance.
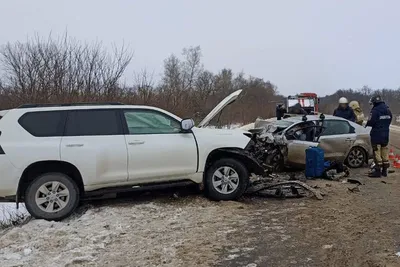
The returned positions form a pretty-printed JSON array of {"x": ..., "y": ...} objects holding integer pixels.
[{"x": 300, "y": 45}]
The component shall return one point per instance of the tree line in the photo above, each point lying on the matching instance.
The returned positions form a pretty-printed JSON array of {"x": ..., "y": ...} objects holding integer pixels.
[{"x": 65, "y": 70}]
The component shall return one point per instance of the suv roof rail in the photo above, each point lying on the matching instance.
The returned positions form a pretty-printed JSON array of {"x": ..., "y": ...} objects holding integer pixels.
[{"x": 70, "y": 104}]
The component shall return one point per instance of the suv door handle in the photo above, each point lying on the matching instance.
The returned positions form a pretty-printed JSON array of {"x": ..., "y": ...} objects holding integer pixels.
[
  {"x": 74, "y": 145},
  {"x": 136, "y": 142}
]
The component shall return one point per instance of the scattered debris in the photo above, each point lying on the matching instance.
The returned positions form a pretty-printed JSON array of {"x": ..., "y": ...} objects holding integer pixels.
[
  {"x": 282, "y": 188},
  {"x": 327, "y": 246},
  {"x": 354, "y": 181},
  {"x": 354, "y": 189},
  {"x": 336, "y": 171}
]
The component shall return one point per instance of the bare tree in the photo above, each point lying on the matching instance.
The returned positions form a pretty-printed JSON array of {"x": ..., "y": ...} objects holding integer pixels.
[
  {"x": 62, "y": 70},
  {"x": 172, "y": 83},
  {"x": 191, "y": 66},
  {"x": 144, "y": 85}
]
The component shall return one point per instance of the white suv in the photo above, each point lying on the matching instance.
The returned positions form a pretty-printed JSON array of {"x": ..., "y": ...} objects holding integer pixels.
[{"x": 51, "y": 156}]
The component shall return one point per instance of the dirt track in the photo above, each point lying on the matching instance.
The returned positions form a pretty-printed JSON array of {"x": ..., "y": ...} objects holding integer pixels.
[{"x": 344, "y": 229}]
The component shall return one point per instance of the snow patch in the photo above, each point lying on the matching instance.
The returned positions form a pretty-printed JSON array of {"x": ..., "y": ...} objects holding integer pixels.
[
  {"x": 9, "y": 210},
  {"x": 146, "y": 234}
]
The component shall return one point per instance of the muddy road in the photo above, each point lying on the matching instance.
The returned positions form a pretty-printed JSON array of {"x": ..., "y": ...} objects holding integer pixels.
[{"x": 345, "y": 229}]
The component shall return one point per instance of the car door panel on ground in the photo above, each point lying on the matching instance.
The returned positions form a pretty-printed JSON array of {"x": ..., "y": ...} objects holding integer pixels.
[
  {"x": 94, "y": 142},
  {"x": 337, "y": 139},
  {"x": 157, "y": 149}
]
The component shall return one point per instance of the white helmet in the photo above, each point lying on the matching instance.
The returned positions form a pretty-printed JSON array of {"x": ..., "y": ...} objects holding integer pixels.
[{"x": 343, "y": 100}]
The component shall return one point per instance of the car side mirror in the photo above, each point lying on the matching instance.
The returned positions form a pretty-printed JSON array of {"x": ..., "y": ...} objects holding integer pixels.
[{"x": 187, "y": 124}]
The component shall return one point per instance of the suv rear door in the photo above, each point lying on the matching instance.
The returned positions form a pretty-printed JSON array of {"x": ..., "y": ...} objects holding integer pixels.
[
  {"x": 40, "y": 135},
  {"x": 94, "y": 142}
]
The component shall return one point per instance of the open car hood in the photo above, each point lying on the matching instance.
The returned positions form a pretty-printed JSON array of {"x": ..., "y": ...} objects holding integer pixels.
[{"x": 218, "y": 108}]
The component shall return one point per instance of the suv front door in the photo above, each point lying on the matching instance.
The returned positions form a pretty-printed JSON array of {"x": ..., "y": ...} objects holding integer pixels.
[
  {"x": 94, "y": 142},
  {"x": 157, "y": 148}
]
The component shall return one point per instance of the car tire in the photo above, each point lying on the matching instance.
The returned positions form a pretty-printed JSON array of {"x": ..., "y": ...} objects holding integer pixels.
[
  {"x": 226, "y": 179},
  {"x": 356, "y": 158},
  {"x": 52, "y": 196}
]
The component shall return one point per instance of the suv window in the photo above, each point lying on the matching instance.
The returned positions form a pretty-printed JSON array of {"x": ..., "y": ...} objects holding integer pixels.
[
  {"x": 44, "y": 123},
  {"x": 337, "y": 127},
  {"x": 150, "y": 122},
  {"x": 93, "y": 122}
]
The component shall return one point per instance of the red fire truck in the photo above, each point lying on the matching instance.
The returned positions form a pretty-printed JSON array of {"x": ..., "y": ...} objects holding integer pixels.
[{"x": 308, "y": 101}]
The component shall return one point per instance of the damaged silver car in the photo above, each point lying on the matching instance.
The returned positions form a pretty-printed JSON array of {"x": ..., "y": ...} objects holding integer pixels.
[{"x": 283, "y": 143}]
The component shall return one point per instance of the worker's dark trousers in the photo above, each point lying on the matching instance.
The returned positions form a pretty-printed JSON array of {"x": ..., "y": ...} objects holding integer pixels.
[{"x": 381, "y": 155}]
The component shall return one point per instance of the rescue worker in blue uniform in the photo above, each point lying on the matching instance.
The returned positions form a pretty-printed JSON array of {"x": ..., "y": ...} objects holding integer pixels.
[
  {"x": 344, "y": 110},
  {"x": 380, "y": 119}
]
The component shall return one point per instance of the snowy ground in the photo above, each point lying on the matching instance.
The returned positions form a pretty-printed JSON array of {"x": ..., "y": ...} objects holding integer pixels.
[
  {"x": 8, "y": 211},
  {"x": 346, "y": 228},
  {"x": 136, "y": 234}
]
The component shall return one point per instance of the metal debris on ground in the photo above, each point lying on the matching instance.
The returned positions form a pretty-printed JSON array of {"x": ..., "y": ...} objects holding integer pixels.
[
  {"x": 354, "y": 181},
  {"x": 335, "y": 171},
  {"x": 354, "y": 189},
  {"x": 271, "y": 186}
]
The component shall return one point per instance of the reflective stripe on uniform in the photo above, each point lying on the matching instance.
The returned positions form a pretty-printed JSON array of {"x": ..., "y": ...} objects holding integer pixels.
[{"x": 385, "y": 117}]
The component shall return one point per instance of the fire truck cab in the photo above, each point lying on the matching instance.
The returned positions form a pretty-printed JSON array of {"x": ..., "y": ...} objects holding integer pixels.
[{"x": 308, "y": 101}]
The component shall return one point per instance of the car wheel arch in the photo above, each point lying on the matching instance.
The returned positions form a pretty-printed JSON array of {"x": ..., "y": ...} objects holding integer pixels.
[
  {"x": 236, "y": 153},
  {"x": 35, "y": 169},
  {"x": 364, "y": 150}
]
